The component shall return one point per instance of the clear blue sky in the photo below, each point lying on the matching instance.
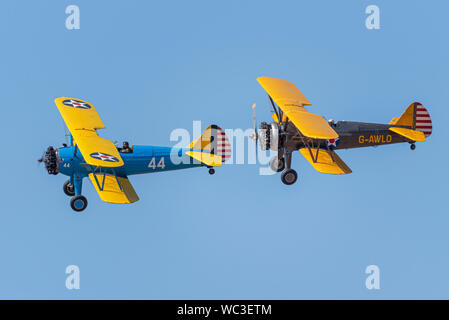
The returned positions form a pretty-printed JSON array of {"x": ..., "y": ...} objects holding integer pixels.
[{"x": 150, "y": 67}]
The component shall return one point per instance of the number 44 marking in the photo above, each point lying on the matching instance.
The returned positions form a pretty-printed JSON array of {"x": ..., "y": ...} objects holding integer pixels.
[{"x": 160, "y": 164}]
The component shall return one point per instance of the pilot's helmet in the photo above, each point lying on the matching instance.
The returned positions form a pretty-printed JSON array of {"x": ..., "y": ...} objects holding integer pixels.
[
  {"x": 125, "y": 144},
  {"x": 331, "y": 122}
]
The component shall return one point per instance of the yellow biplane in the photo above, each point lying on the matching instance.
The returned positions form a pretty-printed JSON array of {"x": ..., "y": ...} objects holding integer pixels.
[{"x": 295, "y": 128}]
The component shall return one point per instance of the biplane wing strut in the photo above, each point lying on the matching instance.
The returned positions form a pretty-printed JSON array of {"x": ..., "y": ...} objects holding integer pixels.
[{"x": 325, "y": 161}]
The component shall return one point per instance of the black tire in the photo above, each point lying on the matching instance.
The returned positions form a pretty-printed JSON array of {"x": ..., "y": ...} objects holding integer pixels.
[
  {"x": 78, "y": 203},
  {"x": 68, "y": 188},
  {"x": 277, "y": 165},
  {"x": 211, "y": 171},
  {"x": 289, "y": 177},
  {"x": 413, "y": 146}
]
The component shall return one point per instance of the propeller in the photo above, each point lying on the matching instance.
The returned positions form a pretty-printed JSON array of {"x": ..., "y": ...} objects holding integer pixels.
[
  {"x": 255, "y": 135},
  {"x": 41, "y": 159}
]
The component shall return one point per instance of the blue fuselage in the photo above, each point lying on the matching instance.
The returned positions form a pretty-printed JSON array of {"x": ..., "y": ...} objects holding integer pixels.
[{"x": 143, "y": 159}]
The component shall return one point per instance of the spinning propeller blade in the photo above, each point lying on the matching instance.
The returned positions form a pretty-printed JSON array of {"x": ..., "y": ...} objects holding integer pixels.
[
  {"x": 255, "y": 135},
  {"x": 41, "y": 159}
]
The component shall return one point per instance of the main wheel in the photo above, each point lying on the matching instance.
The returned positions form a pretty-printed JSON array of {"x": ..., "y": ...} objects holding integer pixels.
[
  {"x": 413, "y": 146},
  {"x": 78, "y": 203},
  {"x": 276, "y": 164},
  {"x": 69, "y": 189},
  {"x": 211, "y": 171},
  {"x": 289, "y": 176}
]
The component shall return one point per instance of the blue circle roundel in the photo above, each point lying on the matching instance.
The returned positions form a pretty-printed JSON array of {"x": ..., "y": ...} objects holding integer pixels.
[
  {"x": 76, "y": 104},
  {"x": 104, "y": 157}
]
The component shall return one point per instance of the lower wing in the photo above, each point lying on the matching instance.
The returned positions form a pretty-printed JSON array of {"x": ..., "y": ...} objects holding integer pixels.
[
  {"x": 113, "y": 189},
  {"x": 325, "y": 161}
]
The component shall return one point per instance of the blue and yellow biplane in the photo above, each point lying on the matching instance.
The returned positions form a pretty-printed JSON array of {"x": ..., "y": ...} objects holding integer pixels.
[{"x": 108, "y": 166}]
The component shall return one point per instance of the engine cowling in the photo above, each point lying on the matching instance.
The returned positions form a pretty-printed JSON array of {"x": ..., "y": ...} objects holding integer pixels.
[
  {"x": 274, "y": 136},
  {"x": 50, "y": 160},
  {"x": 269, "y": 136},
  {"x": 264, "y": 136}
]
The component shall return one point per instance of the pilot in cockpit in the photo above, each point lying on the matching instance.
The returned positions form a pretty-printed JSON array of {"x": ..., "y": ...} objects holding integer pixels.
[{"x": 125, "y": 148}]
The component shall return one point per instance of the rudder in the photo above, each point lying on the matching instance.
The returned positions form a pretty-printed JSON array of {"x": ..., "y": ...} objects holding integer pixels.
[{"x": 214, "y": 140}]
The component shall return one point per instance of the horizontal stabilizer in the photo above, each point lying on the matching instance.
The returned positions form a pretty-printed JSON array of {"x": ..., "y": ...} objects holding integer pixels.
[
  {"x": 109, "y": 189},
  {"x": 325, "y": 161},
  {"x": 208, "y": 159},
  {"x": 413, "y": 135}
]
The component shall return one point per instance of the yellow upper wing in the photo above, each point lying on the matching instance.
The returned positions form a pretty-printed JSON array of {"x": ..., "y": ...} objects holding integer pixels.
[
  {"x": 284, "y": 93},
  {"x": 83, "y": 120},
  {"x": 291, "y": 101},
  {"x": 111, "y": 189},
  {"x": 326, "y": 162}
]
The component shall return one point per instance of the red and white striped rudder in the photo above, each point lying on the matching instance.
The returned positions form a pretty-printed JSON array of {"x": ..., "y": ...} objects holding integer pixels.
[
  {"x": 422, "y": 120},
  {"x": 221, "y": 147},
  {"x": 214, "y": 140}
]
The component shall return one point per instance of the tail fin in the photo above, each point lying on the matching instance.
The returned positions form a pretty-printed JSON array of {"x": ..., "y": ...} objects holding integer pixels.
[
  {"x": 215, "y": 141},
  {"x": 416, "y": 117}
]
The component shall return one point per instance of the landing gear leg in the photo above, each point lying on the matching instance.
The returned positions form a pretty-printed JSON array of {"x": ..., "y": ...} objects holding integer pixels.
[
  {"x": 288, "y": 159},
  {"x": 78, "y": 183},
  {"x": 289, "y": 176},
  {"x": 78, "y": 202},
  {"x": 412, "y": 146}
]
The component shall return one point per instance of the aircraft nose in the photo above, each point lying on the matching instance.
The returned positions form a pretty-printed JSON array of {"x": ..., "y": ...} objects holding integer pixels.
[{"x": 50, "y": 159}]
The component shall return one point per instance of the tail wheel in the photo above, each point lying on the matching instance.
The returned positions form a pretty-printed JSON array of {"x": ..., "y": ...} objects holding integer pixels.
[
  {"x": 78, "y": 203},
  {"x": 68, "y": 188},
  {"x": 289, "y": 176},
  {"x": 276, "y": 164}
]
